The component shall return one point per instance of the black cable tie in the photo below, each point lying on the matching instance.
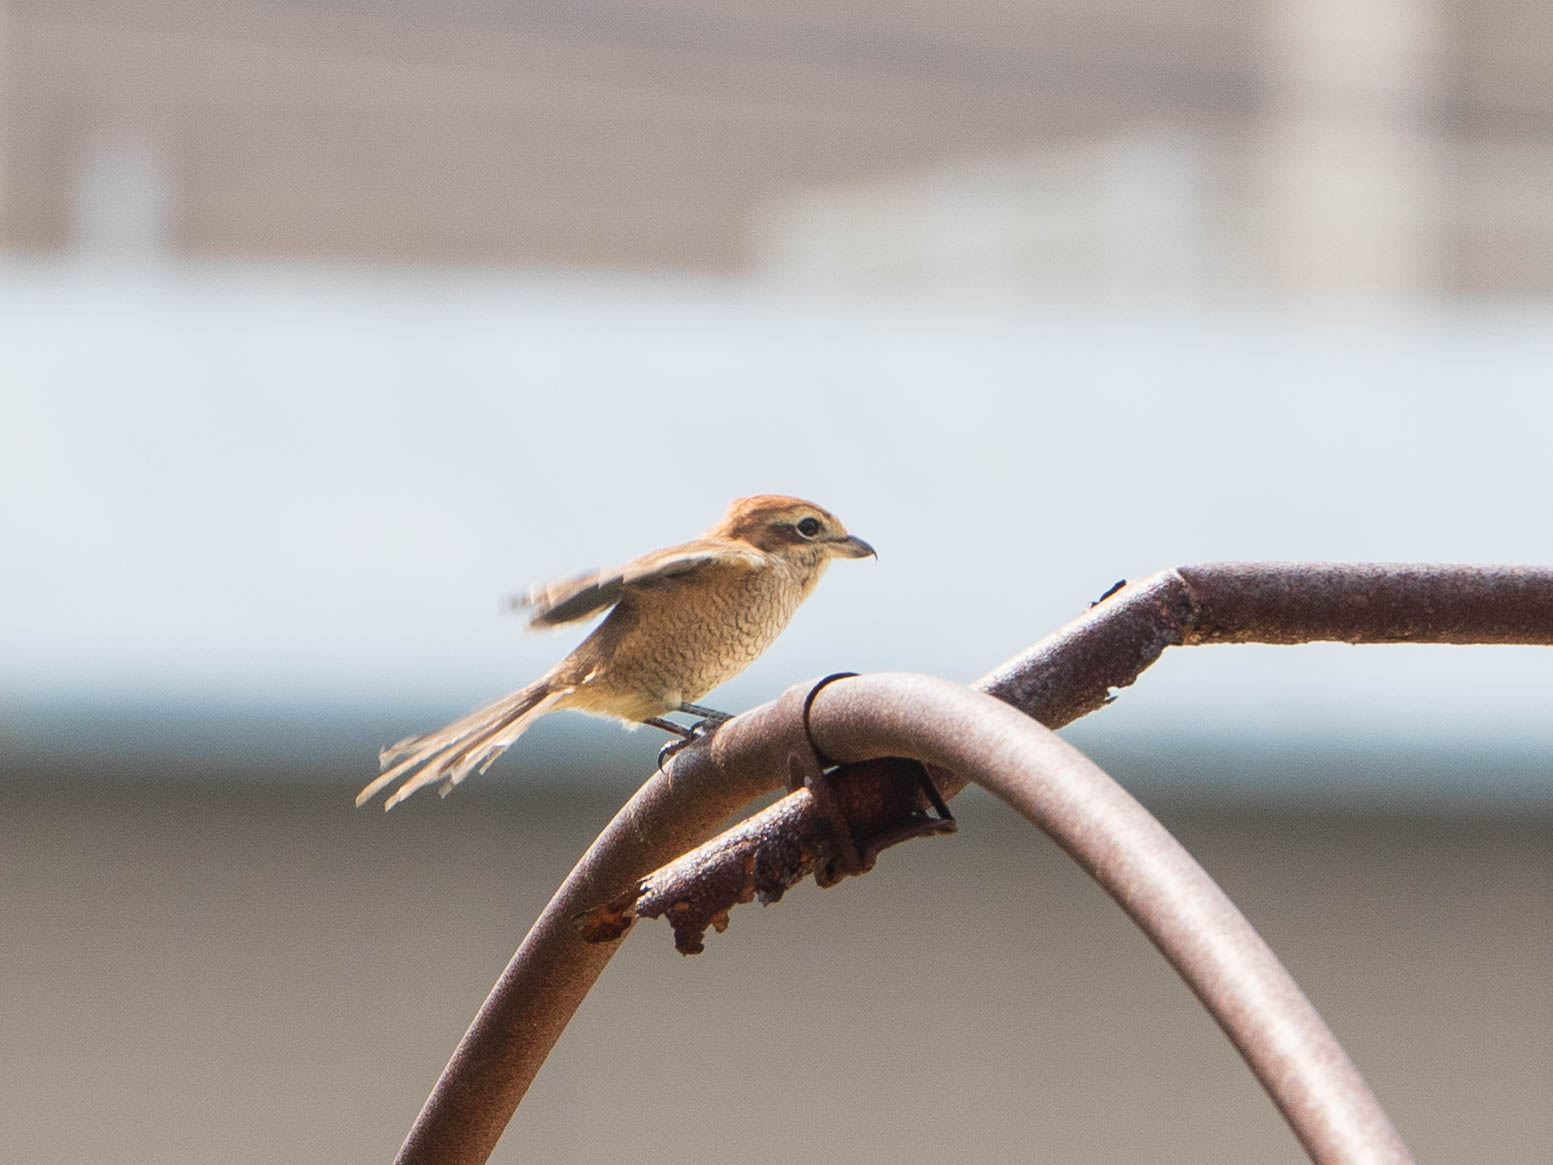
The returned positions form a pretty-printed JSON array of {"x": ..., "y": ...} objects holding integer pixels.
[{"x": 808, "y": 702}]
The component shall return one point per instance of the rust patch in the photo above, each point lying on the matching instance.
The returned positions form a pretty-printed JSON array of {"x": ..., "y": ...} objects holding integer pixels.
[{"x": 882, "y": 802}]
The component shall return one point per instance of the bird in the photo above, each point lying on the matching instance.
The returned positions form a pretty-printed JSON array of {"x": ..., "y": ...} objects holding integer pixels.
[{"x": 681, "y": 621}]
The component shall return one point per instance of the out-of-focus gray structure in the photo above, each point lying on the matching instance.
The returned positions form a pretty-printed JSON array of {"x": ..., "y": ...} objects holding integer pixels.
[{"x": 1384, "y": 147}]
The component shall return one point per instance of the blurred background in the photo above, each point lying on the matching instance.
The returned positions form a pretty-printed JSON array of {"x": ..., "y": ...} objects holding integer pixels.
[{"x": 325, "y": 325}]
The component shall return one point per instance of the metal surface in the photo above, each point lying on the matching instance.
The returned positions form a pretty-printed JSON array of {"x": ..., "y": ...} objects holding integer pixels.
[
  {"x": 1059, "y": 679},
  {"x": 1152, "y": 877},
  {"x": 551, "y": 972}
]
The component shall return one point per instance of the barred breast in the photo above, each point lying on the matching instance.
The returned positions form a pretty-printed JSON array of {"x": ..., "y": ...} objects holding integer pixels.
[{"x": 679, "y": 643}]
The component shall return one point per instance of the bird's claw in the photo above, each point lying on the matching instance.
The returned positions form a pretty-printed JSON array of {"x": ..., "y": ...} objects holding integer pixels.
[
  {"x": 700, "y": 730},
  {"x": 666, "y": 753}
]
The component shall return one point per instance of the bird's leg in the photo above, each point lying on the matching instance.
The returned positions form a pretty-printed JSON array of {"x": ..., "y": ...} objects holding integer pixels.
[
  {"x": 706, "y": 715},
  {"x": 670, "y": 727}
]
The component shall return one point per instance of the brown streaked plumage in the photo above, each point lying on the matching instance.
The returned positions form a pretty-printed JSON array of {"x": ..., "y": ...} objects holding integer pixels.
[{"x": 684, "y": 620}]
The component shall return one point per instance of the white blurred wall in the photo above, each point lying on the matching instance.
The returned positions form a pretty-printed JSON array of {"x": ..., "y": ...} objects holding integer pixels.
[{"x": 240, "y": 490}]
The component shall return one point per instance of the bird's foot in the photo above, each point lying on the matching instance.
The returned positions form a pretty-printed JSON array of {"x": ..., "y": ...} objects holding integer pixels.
[{"x": 710, "y": 721}]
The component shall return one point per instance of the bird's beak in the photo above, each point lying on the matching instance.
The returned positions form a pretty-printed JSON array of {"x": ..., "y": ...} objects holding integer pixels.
[{"x": 853, "y": 547}]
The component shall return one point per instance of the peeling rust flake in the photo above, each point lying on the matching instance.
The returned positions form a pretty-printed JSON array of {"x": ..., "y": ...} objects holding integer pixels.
[{"x": 610, "y": 920}]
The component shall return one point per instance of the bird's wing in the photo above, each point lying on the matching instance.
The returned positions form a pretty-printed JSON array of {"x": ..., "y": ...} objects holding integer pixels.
[{"x": 577, "y": 597}]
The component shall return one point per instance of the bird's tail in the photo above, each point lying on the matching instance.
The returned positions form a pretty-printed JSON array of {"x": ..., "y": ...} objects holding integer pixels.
[{"x": 450, "y": 754}]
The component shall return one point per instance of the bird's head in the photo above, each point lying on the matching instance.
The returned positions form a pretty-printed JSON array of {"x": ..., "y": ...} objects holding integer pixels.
[{"x": 790, "y": 528}]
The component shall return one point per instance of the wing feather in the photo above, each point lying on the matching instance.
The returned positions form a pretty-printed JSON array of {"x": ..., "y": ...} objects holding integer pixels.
[{"x": 576, "y": 597}]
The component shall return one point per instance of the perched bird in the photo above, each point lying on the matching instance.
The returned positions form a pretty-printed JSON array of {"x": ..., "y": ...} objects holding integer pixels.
[{"x": 685, "y": 619}]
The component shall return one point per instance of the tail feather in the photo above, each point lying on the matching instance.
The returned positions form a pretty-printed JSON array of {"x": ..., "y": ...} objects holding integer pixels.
[{"x": 450, "y": 754}]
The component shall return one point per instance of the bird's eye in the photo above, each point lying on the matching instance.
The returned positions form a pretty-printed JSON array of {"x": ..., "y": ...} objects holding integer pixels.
[{"x": 809, "y": 527}]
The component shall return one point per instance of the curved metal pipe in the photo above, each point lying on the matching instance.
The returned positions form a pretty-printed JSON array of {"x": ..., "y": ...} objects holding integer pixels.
[
  {"x": 1309, "y": 1076},
  {"x": 1065, "y": 676},
  {"x": 548, "y": 976},
  {"x": 1161, "y": 887}
]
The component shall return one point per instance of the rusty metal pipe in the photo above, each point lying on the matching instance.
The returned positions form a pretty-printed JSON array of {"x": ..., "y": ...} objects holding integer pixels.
[
  {"x": 1059, "y": 679},
  {"x": 1161, "y": 887},
  {"x": 547, "y": 977},
  {"x": 954, "y": 729}
]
